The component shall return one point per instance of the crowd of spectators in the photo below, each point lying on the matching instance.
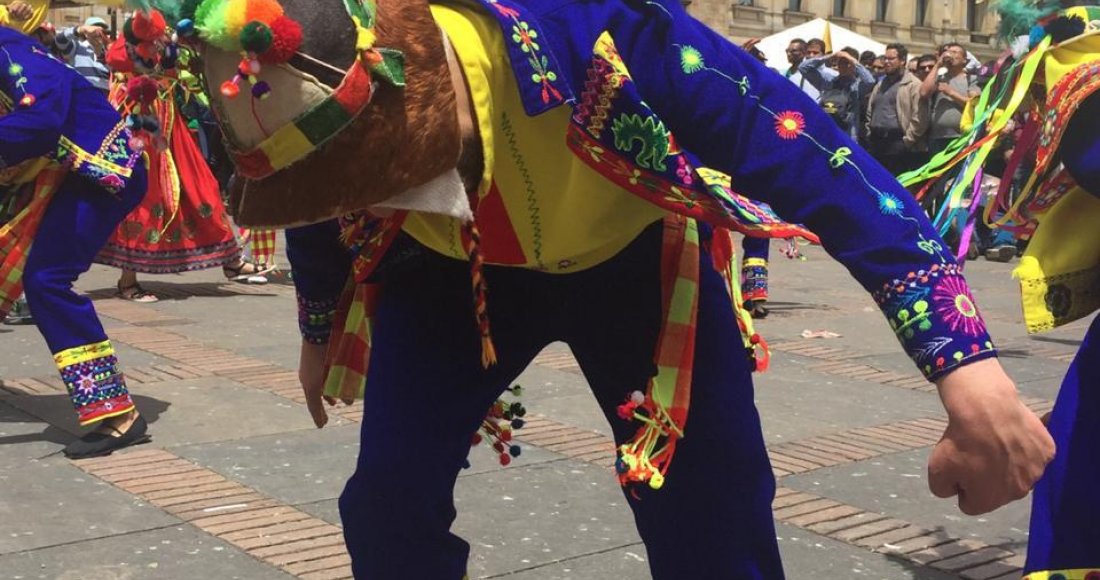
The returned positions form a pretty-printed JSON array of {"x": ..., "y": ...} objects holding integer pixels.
[{"x": 902, "y": 108}]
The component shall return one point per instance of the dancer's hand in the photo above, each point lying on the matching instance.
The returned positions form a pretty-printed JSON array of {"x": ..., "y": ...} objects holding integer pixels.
[
  {"x": 994, "y": 448},
  {"x": 311, "y": 373},
  {"x": 20, "y": 10}
]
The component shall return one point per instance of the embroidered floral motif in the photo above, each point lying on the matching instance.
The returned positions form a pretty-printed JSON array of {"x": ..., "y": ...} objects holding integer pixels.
[
  {"x": 525, "y": 36},
  {"x": 933, "y": 314},
  {"x": 790, "y": 124},
  {"x": 691, "y": 60},
  {"x": 95, "y": 384},
  {"x": 890, "y": 205},
  {"x": 955, "y": 305}
]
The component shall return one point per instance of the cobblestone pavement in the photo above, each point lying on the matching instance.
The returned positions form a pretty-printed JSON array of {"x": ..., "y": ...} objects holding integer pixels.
[{"x": 237, "y": 483}]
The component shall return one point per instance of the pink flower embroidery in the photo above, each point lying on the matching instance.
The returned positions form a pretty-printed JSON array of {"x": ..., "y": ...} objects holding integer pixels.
[
  {"x": 956, "y": 307},
  {"x": 790, "y": 124}
]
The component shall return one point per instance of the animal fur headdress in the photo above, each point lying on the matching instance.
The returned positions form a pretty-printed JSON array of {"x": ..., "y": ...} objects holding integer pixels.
[{"x": 312, "y": 136}]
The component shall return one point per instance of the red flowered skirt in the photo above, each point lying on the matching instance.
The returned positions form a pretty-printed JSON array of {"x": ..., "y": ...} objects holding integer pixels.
[{"x": 181, "y": 225}]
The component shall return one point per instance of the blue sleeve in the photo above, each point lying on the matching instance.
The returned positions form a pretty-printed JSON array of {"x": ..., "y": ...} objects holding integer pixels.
[
  {"x": 779, "y": 147},
  {"x": 41, "y": 91},
  {"x": 865, "y": 77},
  {"x": 812, "y": 71},
  {"x": 321, "y": 265}
]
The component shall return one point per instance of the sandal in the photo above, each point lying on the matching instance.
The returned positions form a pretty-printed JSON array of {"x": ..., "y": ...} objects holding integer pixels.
[
  {"x": 244, "y": 271},
  {"x": 98, "y": 443},
  {"x": 135, "y": 293},
  {"x": 756, "y": 309}
]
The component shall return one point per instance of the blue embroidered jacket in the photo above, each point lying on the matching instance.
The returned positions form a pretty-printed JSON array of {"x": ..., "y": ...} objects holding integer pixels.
[
  {"x": 727, "y": 115},
  {"x": 55, "y": 113}
]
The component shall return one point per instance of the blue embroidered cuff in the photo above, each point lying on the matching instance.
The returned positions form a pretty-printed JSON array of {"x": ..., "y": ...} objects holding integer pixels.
[
  {"x": 315, "y": 319},
  {"x": 934, "y": 316}
]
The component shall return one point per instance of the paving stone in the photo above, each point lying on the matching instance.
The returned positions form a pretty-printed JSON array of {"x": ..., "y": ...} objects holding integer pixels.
[
  {"x": 45, "y": 505},
  {"x": 172, "y": 553},
  {"x": 897, "y": 485}
]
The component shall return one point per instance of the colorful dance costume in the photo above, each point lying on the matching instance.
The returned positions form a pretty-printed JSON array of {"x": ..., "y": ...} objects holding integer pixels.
[
  {"x": 754, "y": 269},
  {"x": 181, "y": 224},
  {"x": 593, "y": 225},
  {"x": 62, "y": 138},
  {"x": 1058, "y": 67}
]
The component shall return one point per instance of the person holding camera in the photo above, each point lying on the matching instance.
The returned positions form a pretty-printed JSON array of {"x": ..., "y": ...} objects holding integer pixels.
[{"x": 948, "y": 91}]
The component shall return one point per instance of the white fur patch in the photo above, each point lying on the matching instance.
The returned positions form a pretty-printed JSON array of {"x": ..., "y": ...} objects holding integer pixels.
[{"x": 444, "y": 195}]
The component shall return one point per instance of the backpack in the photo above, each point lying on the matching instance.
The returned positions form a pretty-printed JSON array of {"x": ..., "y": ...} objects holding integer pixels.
[{"x": 837, "y": 102}]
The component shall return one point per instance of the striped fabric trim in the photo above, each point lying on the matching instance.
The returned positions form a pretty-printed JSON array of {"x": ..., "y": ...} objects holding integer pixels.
[
  {"x": 84, "y": 353},
  {"x": 293, "y": 142},
  {"x": 17, "y": 236},
  {"x": 1076, "y": 574},
  {"x": 646, "y": 457}
]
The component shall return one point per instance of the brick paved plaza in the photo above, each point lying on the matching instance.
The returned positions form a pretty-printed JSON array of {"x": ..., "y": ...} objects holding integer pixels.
[{"x": 238, "y": 484}]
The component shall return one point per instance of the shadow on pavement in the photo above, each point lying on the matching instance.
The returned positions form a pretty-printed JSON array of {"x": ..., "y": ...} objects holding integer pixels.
[
  {"x": 185, "y": 290},
  {"x": 149, "y": 408}
]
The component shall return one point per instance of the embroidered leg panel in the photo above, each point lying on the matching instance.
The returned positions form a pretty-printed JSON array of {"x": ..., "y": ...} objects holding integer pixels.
[
  {"x": 754, "y": 279},
  {"x": 95, "y": 384}
]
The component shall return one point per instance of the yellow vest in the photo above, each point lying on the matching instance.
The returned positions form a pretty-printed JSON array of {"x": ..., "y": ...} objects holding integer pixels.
[{"x": 539, "y": 206}]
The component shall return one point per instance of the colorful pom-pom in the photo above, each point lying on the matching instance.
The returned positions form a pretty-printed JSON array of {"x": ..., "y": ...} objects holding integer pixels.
[
  {"x": 149, "y": 26},
  {"x": 261, "y": 90},
  {"x": 186, "y": 27},
  {"x": 286, "y": 39},
  {"x": 27, "y": 100},
  {"x": 230, "y": 90},
  {"x": 137, "y": 144},
  {"x": 256, "y": 37},
  {"x": 142, "y": 90},
  {"x": 505, "y": 459},
  {"x": 147, "y": 51},
  {"x": 514, "y": 451},
  {"x": 15, "y": 70}
]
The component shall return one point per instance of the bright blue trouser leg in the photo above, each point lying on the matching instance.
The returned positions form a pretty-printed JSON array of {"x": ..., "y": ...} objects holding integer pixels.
[
  {"x": 427, "y": 393},
  {"x": 1064, "y": 534},
  {"x": 78, "y": 221}
]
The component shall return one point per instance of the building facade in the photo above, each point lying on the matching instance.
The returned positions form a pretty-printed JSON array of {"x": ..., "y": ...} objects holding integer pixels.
[{"x": 922, "y": 25}]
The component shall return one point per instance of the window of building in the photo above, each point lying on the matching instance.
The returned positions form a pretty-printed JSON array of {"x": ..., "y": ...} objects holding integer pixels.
[
  {"x": 794, "y": 5},
  {"x": 882, "y": 10},
  {"x": 840, "y": 8},
  {"x": 975, "y": 15},
  {"x": 922, "y": 16},
  {"x": 745, "y": 3}
]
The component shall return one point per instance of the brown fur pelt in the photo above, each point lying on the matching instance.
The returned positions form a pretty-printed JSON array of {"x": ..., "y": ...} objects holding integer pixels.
[{"x": 405, "y": 137}]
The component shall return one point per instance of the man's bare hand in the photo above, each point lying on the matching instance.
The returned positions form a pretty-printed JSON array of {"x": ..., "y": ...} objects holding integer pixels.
[
  {"x": 749, "y": 44},
  {"x": 20, "y": 10},
  {"x": 994, "y": 448},
  {"x": 311, "y": 373}
]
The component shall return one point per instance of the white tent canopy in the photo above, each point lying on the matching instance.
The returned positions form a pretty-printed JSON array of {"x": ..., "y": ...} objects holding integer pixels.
[{"x": 775, "y": 46}]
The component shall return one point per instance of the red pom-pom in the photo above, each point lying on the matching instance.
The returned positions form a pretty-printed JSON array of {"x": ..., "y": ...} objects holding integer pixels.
[
  {"x": 475, "y": 440},
  {"x": 147, "y": 51},
  {"x": 142, "y": 90},
  {"x": 506, "y": 436},
  {"x": 230, "y": 89},
  {"x": 149, "y": 26},
  {"x": 626, "y": 410},
  {"x": 505, "y": 459},
  {"x": 287, "y": 39}
]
